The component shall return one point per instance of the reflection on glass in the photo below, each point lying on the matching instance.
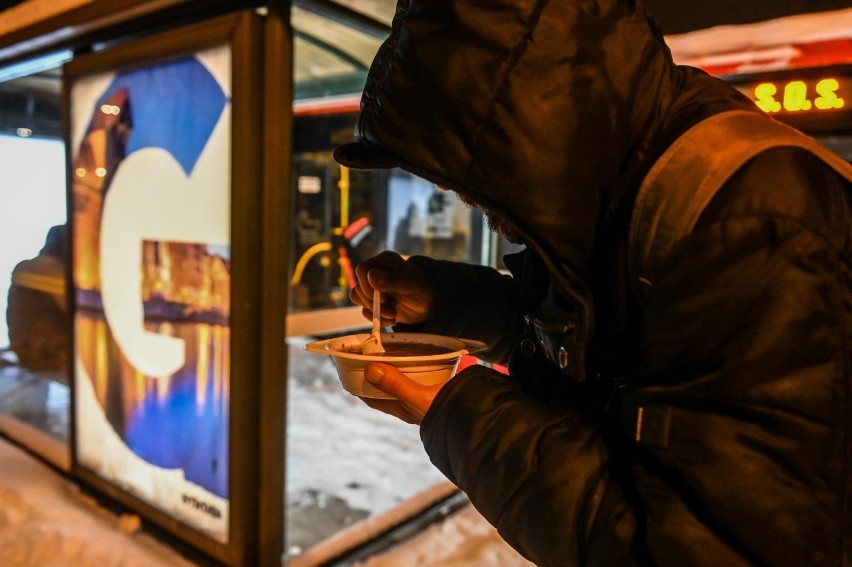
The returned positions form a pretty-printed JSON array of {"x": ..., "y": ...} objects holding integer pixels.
[
  {"x": 342, "y": 216},
  {"x": 345, "y": 462},
  {"x": 33, "y": 308},
  {"x": 423, "y": 219}
]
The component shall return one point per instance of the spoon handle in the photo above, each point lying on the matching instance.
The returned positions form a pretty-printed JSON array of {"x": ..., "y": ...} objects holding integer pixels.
[{"x": 377, "y": 306}]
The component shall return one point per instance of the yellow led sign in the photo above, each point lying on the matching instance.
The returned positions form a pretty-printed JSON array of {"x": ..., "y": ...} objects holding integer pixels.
[{"x": 815, "y": 95}]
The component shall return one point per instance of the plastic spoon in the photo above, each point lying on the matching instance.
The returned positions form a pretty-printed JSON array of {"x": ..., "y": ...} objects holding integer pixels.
[{"x": 373, "y": 345}]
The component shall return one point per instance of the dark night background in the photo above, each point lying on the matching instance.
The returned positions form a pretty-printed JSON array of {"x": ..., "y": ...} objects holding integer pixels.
[{"x": 679, "y": 16}]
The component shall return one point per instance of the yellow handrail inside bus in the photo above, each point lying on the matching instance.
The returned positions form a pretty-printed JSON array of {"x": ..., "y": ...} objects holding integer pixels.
[
  {"x": 305, "y": 258},
  {"x": 343, "y": 184}
]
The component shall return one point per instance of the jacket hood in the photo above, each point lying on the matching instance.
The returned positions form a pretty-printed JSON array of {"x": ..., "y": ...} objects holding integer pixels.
[{"x": 537, "y": 109}]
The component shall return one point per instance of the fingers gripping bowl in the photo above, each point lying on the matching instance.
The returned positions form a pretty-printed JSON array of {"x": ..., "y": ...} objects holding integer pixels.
[{"x": 427, "y": 359}]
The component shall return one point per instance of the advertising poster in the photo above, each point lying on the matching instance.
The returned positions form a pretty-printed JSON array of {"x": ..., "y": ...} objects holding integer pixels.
[{"x": 151, "y": 200}]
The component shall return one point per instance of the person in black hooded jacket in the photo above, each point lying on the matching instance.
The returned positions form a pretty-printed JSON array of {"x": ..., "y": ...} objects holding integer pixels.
[{"x": 704, "y": 421}]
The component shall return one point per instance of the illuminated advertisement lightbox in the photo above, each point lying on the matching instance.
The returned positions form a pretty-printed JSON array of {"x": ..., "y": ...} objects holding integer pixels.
[{"x": 151, "y": 189}]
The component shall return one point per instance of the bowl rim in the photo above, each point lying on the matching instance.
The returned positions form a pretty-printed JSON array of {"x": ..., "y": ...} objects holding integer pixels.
[{"x": 323, "y": 346}]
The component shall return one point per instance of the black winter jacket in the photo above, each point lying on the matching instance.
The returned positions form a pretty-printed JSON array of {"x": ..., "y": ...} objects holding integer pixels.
[{"x": 549, "y": 112}]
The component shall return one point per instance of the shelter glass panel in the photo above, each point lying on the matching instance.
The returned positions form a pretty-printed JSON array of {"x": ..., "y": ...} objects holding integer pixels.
[{"x": 35, "y": 323}]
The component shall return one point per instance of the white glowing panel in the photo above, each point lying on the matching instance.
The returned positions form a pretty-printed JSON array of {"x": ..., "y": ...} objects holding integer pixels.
[{"x": 151, "y": 198}]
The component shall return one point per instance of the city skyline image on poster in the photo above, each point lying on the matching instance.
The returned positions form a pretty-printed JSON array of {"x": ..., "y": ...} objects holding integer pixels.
[{"x": 152, "y": 278}]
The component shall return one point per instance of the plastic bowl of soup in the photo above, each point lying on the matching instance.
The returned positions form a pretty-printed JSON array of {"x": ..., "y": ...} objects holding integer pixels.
[{"x": 427, "y": 359}]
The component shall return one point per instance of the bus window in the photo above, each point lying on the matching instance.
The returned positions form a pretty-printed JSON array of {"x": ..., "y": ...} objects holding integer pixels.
[{"x": 342, "y": 216}]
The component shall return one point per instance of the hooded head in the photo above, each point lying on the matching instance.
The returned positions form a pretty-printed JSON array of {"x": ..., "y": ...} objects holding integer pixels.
[{"x": 535, "y": 109}]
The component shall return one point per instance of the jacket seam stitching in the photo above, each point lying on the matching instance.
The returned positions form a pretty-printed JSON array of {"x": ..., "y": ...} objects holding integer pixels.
[{"x": 515, "y": 56}]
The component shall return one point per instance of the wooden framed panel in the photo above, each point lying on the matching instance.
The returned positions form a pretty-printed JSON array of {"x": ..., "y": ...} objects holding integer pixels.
[{"x": 165, "y": 177}]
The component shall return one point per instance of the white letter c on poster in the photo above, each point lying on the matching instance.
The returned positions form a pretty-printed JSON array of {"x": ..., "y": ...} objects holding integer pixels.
[{"x": 151, "y": 198}]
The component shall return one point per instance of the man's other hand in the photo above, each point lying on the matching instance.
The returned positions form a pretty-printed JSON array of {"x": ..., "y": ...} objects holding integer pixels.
[{"x": 412, "y": 401}]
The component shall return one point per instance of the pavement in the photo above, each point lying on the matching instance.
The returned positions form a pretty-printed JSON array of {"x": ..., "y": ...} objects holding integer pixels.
[{"x": 342, "y": 491}]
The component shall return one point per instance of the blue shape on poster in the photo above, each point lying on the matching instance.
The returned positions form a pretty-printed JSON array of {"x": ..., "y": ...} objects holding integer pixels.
[
  {"x": 176, "y": 433},
  {"x": 175, "y": 106}
]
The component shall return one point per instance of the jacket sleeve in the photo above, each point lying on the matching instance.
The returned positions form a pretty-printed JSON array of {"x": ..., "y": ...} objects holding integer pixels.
[
  {"x": 514, "y": 456},
  {"x": 473, "y": 302},
  {"x": 539, "y": 475}
]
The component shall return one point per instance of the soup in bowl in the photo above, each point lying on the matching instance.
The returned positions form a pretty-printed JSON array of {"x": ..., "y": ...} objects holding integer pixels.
[{"x": 427, "y": 359}]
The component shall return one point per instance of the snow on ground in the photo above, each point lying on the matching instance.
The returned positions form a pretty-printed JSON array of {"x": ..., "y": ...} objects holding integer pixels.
[
  {"x": 338, "y": 445},
  {"x": 348, "y": 467},
  {"x": 464, "y": 540},
  {"x": 46, "y": 522},
  {"x": 347, "y": 462}
]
